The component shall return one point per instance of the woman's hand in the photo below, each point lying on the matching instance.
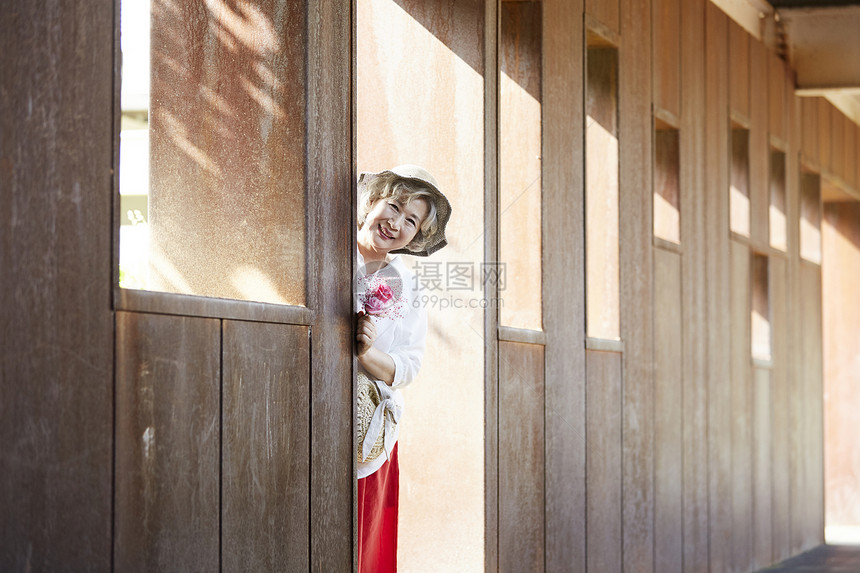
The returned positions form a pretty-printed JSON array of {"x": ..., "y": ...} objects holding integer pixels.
[{"x": 365, "y": 334}]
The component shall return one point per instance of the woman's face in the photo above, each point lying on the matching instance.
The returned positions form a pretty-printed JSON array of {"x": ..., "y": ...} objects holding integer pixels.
[{"x": 392, "y": 225}]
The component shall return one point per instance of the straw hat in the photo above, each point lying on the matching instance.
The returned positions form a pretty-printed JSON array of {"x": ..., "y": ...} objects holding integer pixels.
[{"x": 422, "y": 177}]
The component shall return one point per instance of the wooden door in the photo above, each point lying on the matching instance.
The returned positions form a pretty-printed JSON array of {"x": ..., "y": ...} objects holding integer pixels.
[{"x": 234, "y": 441}]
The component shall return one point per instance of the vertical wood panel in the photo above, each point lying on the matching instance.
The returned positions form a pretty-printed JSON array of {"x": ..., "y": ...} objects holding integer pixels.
[
  {"x": 521, "y": 457},
  {"x": 780, "y": 397},
  {"x": 776, "y": 95},
  {"x": 825, "y": 136},
  {"x": 265, "y": 464},
  {"x": 637, "y": 290},
  {"x": 332, "y": 233},
  {"x": 813, "y": 528},
  {"x": 695, "y": 461},
  {"x": 56, "y": 368},
  {"x": 837, "y": 143},
  {"x": 666, "y": 46},
  {"x": 741, "y": 409},
  {"x": 668, "y": 414},
  {"x": 167, "y": 443},
  {"x": 718, "y": 297},
  {"x": 605, "y": 11},
  {"x": 809, "y": 134},
  {"x": 564, "y": 304},
  {"x": 759, "y": 147},
  {"x": 739, "y": 70},
  {"x": 762, "y": 470},
  {"x": 849, "y": 152},
  {"x": 603, "y": 437}
]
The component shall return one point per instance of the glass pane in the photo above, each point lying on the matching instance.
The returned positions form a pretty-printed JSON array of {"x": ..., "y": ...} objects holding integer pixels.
[
  {"x": 667, "y": 161},
  {"x": 212, "y": 149},
  {"x": 601, "y": 194},
  {"x": 777, "y": 217},
  {"x": 520, "y": 164},
  {"x": 810, "y": 217},
  {"x": 760, "y": 316},
  {"x": 739, "y": 197}
]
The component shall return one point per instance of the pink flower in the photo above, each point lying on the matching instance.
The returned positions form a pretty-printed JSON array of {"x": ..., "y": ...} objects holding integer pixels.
[{"x": 378, "y": 300}]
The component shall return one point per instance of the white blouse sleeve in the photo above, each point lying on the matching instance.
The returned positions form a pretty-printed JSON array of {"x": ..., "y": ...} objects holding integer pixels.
[{"x": 408, "y": 348}]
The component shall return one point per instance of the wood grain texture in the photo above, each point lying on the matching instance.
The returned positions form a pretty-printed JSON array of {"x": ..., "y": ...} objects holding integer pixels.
[
  {"x": 780, "y": 399},
  {"x": 332, "y": 233},
  {"x": 741, "y": 385},
  {"x": 825, "y": 136},
  {"x": 759, "y": 148},
  {"x": 668, "y": 414},
  {"x": 603, "y": 439},
  {"x": 762, "y": 484},
  {"x": 739, "y": 70},
  {"x": 776, "y": 95},
  {"x": 837, "y": 141},
  {"x": 606, "y": 12},
  {"x": 666, "y": 46},
  {"x": 521, "y": 457},
  {"x": 564, "y": 302},
  {"x": 718, "y": 289},
  {"x": 809, "y": 135},
  {"x": 636, "y": 275},
  {"x": 167, "y": 443},
  {"x": 56, "y": 328},
  {"x": 265, "y": 464},
  {"x": 695, "y": 460},
  {"x": 849, "y": 152}
]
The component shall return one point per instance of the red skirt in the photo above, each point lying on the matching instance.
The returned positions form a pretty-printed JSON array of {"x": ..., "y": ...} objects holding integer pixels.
[{"x": 377, "y": 518}]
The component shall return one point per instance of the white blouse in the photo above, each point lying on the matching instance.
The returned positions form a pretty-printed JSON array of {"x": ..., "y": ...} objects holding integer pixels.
[{"x": 401, "y": 333}]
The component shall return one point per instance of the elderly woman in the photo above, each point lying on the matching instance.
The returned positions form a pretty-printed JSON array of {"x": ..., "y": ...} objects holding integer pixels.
[{"x": 400, "y": 211}]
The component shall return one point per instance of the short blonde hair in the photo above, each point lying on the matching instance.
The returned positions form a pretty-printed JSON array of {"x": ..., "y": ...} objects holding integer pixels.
[{"x": 392, "y": 186}]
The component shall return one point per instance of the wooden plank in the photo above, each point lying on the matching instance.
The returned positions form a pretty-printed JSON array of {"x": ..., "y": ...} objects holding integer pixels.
[
  {"x": 265, "y": 464},
  {"x": 809, "y": 135},
  {"x": 668, "y": 414},
  {"x": 604, "y": 480},
  {"x": 849, "y": 152},
  {"x": 759, "y": 148},
  {"x": 813, "y": 462},
  {"x": 739, "y": 70},
  {"x": 780, "y": 398},
  {"x": 637, "y": 290},
  {"x": 695, "y": 460},
  {"x": 825, "y": 135},
  {"x": 776, "y": 95},
  {"x": 521, "y": 457},
  {"x": 741, "y": 409},
  {"x": 837, "y": 143},
  {"x": 717, "y": 293},
  {"x": 331, "y": 235},
  {"x": 606, "y": 12},
  {"x": 167, "y": 443},
  {"x": 564, "y": 305},
  {"x": 762, "y": 470},
  {"x": 56, "y": 328},
  {"x": 666, "y": 46}
]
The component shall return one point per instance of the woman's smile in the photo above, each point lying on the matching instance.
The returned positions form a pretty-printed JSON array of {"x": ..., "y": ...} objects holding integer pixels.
[{"x": 390, "y": 225}]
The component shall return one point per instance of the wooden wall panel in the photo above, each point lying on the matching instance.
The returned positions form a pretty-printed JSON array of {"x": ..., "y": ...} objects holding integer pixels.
[
  {"x": 812, "y": 388},
  {"x": 637, "y": 289},
  {"x": 837, "y": 141},
  {"x": 739, "y": 70},
  {"x": 330, "y": 173},
  {"x": 762, "y": 490},
  {"x": 809, "y": 135},
  {"x": 825, "y": 137},
  {"x": 56, "y": 328},
  {"x": 265, "y": 465},
  {"x": 849, "y": 151},
  {"x": 759, "y": 148},
  {"x": 564, "y": 284},
  {"x": 606, "y": 12},
  {"x": 780, "y": 399},
  {"x": 603, "y": 439},
  {"x": 521, "y": 457},
  {"x": 693, "y": 285},
  {"x": 666, "y": 46},
  {"x": 718, "y": 289},
  {"x": 741, "y": 409},
  {"x": 668, "y": 414},
  {"x": 167, "y": 443},
  {"x": 776, "y": 95}
]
